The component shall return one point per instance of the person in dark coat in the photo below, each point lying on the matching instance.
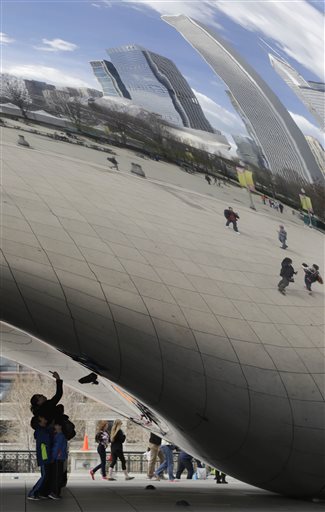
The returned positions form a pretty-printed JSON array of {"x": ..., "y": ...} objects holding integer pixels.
[
  {"x": 184, "y": 462},
  {"x": 117, "y": 440},
  {"x": 47, "y": 408},
  {"x": 287, "y": 272},
  {"x": 231, "y": 218},
  {"x": 311, "y": 276}
]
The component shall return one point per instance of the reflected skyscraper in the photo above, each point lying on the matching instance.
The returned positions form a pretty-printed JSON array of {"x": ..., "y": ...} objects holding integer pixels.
[
  {"x": 312, "y": 94},
  {"x": 248, "y": 151},
  {"x": 282, "y": 142},
  {"x": 318, "y": 151},
  {"x": 155, "y": 83},
  {"x": 109, "y": 79}
]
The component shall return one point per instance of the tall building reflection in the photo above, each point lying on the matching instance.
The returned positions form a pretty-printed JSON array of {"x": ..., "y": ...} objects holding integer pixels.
[
  {"x": 281, "y": 141},
  {"x": 312, "y": 94},
  {"x": 153, "y": 82}
]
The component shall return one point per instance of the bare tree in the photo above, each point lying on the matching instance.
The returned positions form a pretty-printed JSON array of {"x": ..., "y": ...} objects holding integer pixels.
[
  {"x": 14, "y": 89},
  {"x": 72, "y": 107}
]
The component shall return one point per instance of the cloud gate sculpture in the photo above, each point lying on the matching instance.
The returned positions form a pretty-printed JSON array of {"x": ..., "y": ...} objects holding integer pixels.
[{"x": 139, "y": 281}]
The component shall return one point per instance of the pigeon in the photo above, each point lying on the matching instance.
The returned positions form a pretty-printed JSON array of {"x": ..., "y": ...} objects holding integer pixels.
[
  {"x": 150, "y": 488},
  {"x": 182, "y": 503}
]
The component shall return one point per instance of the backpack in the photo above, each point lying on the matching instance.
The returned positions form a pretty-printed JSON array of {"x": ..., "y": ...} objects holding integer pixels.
[{"x": 68, "y": 429}]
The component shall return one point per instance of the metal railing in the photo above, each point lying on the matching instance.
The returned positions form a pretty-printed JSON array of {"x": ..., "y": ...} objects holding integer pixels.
[{"x": 24, "y": 461}]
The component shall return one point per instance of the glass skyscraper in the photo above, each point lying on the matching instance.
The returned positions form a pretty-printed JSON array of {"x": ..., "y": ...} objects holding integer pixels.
[
  {"x": 312, "y": 94},
  {"x": 144, "y": 87},
  {"x": 182, "y": 96},
  {"x": 281, "y": 141},
  {"x": 155, "y": 83},
  {"x": 109, "y": 79}
]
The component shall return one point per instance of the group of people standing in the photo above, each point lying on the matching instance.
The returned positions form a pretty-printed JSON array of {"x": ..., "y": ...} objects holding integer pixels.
[{"x": 52, "y": 430}]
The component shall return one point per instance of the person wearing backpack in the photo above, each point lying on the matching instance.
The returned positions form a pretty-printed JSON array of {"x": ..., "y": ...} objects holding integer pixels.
[
  {"x": 312, "y": 275},
  {"x": 103, "y": 439}
]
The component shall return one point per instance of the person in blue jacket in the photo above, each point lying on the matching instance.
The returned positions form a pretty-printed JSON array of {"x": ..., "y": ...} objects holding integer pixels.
[
  {"x": 58, "y": 456},
  {"x": 43, "y": 437}
]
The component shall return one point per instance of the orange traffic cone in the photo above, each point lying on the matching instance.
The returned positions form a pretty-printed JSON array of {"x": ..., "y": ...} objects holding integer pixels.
[{"x": 85, "y": 446}]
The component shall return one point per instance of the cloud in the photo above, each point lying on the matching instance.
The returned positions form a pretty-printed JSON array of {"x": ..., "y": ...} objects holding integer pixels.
[
  {"x": 46, "y": 74},
  {"x": 5, "y": 39},
  {"x": 297, "y": 28},
  {"x": 56, "y": 45},
  {"x": 219, "y": 116},
  {"x": 96, "y": 5},
  {"x": 201, "y": 11},
  {"x": 307, "y": 127}
]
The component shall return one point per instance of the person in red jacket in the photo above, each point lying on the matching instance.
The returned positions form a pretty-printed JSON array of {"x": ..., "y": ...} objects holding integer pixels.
[{"x": 231, "y": 218}]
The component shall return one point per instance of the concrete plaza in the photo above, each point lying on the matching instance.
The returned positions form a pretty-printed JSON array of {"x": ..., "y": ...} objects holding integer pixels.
[{"x": 83, "y": 495}]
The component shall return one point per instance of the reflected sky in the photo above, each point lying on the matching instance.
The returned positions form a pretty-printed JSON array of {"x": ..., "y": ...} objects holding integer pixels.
[{"x": 54, "y": 42}]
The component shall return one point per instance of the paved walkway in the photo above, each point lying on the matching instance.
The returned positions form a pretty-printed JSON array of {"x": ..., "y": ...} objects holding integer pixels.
[{"x": 83, "y": 495}]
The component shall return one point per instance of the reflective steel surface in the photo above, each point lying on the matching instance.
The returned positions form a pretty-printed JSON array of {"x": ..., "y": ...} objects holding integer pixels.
[{"x": 140, "y": 281}]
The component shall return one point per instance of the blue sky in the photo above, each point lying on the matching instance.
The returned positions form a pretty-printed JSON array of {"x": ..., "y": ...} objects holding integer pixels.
[{"x": 54, "y": 41}]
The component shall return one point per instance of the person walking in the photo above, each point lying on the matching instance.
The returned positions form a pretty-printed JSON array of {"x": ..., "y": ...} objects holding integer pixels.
[
  {"x": 287, "y": 272},
  {"x": 311, "y": 276},
  {"x": 117, "y": 440},
  {"x": 168, "y": 464},
  {"x": 184, "y": 462},
  {"x": 103, "y": 439},
  {"x": 114, "y": 162},
  {"x": 281, "y": 207},
  {"x": 208, "y": 179},
  {"x": 155, "y": 451},
  {"x": 231, "y": 218},
  {"x": 282, "y": 234}
]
